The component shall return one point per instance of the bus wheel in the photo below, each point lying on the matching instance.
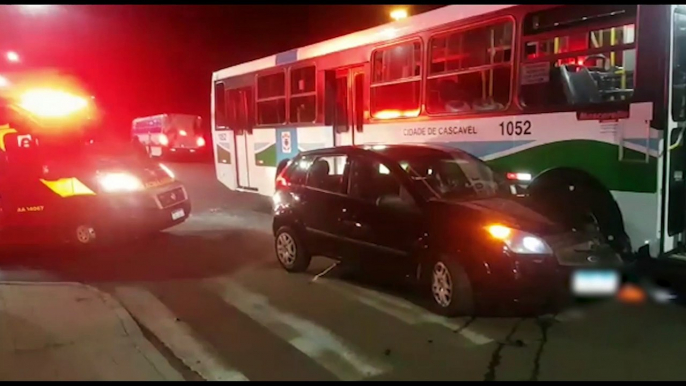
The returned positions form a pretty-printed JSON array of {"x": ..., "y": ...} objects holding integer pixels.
[{"x": 584, "y": 204}]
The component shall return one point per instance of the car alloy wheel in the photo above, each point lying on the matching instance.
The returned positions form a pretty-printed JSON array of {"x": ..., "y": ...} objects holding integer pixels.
[
  {"x": 286, "y": 249},
  {"x": 441, "y": 285}
]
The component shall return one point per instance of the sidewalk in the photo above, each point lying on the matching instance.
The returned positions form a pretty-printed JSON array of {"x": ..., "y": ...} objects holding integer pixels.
[{"x": 70, "y": 331}]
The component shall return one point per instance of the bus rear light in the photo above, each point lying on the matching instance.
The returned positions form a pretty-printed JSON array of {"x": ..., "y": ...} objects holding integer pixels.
[
  {"x": 164, "y": 141},
  {"x": 200, "y": 141}
]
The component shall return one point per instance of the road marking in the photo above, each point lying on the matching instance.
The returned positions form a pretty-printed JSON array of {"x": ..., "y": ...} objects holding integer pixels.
[
  {"x": 318, "y": 343},
  {"x": 176, "y": 335},
  {"x": 402, "y": 309}
]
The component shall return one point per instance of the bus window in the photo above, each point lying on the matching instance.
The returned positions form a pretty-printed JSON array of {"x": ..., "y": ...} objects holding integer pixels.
[
  {"x": 581, "y": 58},
  {"x": 679, "y": 68},
  {"x": 358, "y": 98},
  {"x": 470, "y": 70},
  {"x": 271, "y": 99},
  {"x": 396, "y": 81},
  {"x": 303, "y": 100},
  {"x": 240, "y": 100},
  {"x": 219, "y": 105}
]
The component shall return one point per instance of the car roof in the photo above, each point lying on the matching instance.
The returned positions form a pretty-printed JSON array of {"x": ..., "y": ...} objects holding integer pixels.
[{"x": 390, "y": 150}]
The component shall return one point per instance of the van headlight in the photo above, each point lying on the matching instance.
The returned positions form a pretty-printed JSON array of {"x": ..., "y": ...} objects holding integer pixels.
[
  {"x": 119, "y": 182},
  {"x": 518, "y": 241}
]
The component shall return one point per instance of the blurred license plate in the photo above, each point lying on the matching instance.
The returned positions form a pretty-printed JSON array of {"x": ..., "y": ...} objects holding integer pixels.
[
  {"x": 155, "y": 150},
  {"x": 595, "y": 282},
  {"x": 177, "y": 214}
]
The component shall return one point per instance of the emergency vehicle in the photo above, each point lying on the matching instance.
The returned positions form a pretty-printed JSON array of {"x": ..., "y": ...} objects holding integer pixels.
[
  {"x": 60, "y": 183},
  {"x": 169, "y": 134}
]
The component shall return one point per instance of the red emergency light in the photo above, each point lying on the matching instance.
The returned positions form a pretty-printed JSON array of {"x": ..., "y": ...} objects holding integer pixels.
[{"x": 49, "y": 103}]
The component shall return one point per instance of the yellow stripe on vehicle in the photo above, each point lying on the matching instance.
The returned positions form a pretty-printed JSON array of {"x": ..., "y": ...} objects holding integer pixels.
[
  {"x": 68, "y": 187},
  {"x": 4, "y": 130}
]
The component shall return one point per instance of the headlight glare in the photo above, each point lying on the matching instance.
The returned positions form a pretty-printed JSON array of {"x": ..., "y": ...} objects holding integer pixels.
[
  {"x": 518, "y": 241},
  {"x": 119, "y": 182}
]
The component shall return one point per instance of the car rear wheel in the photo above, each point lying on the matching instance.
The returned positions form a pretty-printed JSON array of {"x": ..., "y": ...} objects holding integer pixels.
[
  {"x": 290, "y": 252},
  {"x": 450, "y": 288}
]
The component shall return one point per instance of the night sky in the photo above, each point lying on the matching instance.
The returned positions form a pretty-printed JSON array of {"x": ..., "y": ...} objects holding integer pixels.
[{"x": 143, "y": 60}]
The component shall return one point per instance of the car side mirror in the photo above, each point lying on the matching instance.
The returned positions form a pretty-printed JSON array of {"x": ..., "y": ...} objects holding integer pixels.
[{"x": 396, "y": 203}]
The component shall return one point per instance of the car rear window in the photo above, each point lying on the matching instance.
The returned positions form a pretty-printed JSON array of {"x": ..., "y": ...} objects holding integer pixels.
[
  {"x": 326, "y": 173},
  {"x": 297, "y": 170}
]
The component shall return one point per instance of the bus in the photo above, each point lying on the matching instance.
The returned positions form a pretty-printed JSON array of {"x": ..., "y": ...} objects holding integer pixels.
[
  {"x": 169, "y": 134},
  {"x": 582, "y": 103}
]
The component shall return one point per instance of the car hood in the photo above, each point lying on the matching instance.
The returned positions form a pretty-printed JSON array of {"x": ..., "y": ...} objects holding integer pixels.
[
  {"x": 571, "y": 247},
  {"x": 513, "y": 212}
]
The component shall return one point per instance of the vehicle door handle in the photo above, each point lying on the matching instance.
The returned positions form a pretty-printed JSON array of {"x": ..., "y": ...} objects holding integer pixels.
[{"x": 347, "y": 218}]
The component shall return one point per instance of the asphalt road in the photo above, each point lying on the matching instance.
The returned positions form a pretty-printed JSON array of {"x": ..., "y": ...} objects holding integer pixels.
[{"x": 211, "y": 295}]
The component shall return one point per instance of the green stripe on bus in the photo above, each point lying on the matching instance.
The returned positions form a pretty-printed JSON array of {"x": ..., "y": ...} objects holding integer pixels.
[
  {"x": 599, "y": 159},
  {"x": 266, "y": 157}
]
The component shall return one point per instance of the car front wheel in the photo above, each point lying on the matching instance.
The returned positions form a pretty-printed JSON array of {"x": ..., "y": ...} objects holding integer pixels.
[
  {"x": 290, "y": 252},
  {"x": 450, "y": 288}
]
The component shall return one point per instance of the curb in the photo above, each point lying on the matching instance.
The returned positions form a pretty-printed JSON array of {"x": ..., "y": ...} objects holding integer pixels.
[{"x": 130, "y": 327}]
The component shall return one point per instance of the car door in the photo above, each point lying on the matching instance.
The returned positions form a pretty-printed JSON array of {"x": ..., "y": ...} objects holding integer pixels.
[
  {"x": 387, "y": 235},
  {"x": 321, "y": 200}
]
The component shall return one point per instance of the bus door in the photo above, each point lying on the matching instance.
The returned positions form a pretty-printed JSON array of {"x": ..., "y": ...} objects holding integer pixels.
[
  {"x": 240, "y": 120},
  {"x": 675, "y": 139},
  {"x": 347, "y": 109}
]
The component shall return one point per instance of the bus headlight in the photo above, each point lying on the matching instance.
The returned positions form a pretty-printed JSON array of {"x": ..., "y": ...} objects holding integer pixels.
[
  {"x": 120, "y": 182},
  {"x": 520, "y": 242}
]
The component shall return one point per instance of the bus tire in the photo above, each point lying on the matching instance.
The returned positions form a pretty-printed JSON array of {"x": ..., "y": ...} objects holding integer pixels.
[{"x": 577, "y": 192}]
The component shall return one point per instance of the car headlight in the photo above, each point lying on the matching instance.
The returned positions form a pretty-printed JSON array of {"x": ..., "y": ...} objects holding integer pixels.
[
  {"x": 120, "y": 182},
  {"x": 519, "y": 241}
]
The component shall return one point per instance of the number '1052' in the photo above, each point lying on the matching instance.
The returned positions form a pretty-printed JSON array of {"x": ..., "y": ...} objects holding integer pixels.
[{"x": 515, "y": 128}]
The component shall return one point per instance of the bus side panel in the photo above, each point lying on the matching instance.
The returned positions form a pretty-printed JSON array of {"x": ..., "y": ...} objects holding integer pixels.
[
  {"x": 266, "y": 147},
  {"x": 225, "y": 158},
  {"x": 622, "y": 155},
  {"x": 258, "y": 154}
]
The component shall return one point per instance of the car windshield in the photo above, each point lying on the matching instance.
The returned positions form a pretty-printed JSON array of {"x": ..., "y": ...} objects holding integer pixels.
[{"x": 451, "y": 175}]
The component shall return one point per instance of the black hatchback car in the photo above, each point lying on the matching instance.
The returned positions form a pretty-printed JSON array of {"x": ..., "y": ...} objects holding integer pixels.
[{"x": 437, "y": 215}]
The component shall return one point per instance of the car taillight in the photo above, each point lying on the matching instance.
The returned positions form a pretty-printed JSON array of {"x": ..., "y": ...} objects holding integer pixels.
[
  {"x": 200, "y": 141},
  {"x": 281, "y": 182},
  {"x": 164, "y": 141}
]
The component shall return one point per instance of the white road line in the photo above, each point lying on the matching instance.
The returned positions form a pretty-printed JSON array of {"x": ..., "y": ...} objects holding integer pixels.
[
  {"x": 176, "y": 335},
  {"x": 321, "y": 345},
  {"x": 402, "y": 309}
]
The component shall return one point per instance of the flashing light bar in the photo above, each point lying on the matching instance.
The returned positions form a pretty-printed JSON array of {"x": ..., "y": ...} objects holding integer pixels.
[{"x": 48, "y": 103}]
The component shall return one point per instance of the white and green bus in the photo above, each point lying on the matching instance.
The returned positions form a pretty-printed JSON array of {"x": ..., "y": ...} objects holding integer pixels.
[{"x": 566, "y": 98}]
